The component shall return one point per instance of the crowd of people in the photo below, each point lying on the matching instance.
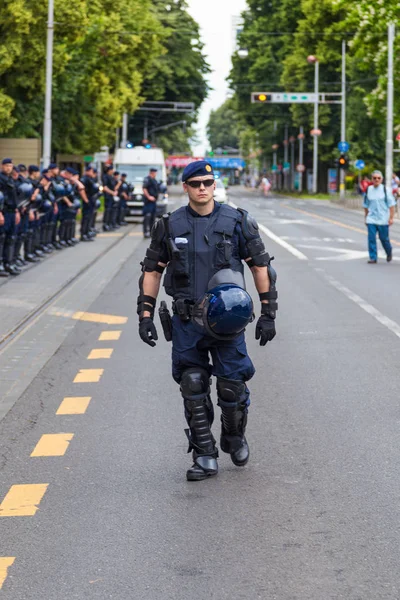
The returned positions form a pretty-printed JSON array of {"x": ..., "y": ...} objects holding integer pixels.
[{"x": 39, "y": 210}]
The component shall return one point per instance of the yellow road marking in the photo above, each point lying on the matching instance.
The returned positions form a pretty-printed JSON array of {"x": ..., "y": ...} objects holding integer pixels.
[
  {"x": 75, "y": 405},
  {"x": 100, "y": 353},
  {"x": 134, "y": 233},
  {"x": 22, "y": 500},
  {"x": 99, "y": 318},
  {"x": 333, "y": 222},
  {"x": 108, "y": 336},
  {"x": 5, "y": 563},
  {"x": 108, "y": 235},
  {"x": 89, "y": 376},
  {"x": 52, "y": 444}
]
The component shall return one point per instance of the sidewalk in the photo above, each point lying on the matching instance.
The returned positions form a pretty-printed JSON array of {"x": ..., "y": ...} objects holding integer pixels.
[{"x": 21, "y": 296}]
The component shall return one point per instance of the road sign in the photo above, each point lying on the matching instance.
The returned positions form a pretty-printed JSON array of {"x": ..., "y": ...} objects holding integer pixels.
[
  {"x": 343, "y": 146},
  {"x": 286, "y": 166},
  {"x": 88, "y": 159},
  {"x": 398, "y": 137},
  {"x": 315, "y": 132},
  {"x": 284, "y": 98},
  {"x": 300, "y": 168},
  {"x": 274, "y": 168},
  {"x": 101, "y": 157},
  {"x": 359, "y": 165}
]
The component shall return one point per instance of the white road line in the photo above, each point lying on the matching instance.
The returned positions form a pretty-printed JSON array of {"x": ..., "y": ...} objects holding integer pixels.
[
  {"x": 278, "y": 240},
  {"x": 371, "y": 310}
]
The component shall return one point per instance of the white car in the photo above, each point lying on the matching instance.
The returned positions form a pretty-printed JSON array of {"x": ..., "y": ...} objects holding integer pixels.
[{"x": 220, "y": 194}]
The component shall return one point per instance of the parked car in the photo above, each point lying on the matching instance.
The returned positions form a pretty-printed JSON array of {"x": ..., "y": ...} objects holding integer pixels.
[{"x": 220, "y": 194}]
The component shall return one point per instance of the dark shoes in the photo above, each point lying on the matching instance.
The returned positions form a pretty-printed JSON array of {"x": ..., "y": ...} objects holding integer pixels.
[
  {"x": 237, "y": 448},
  {"x": 203, "y": 467},
  {"x": 389, "y": 258},
  {"x": 372, "y": 262}
]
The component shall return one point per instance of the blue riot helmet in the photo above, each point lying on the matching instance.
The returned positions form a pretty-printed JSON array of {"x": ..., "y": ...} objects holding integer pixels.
[
  {"x": 98, "y": 203},
  {"x": 76, "y": 204},
  {"x": 25, "y": 190},
  {"x": 58, "y": 189},
  {"x": 225, "y": 311}
]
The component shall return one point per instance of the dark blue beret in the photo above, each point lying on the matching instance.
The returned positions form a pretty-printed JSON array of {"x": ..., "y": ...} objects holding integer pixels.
[
  {"x": 52, "y": 166},
  {"x": 71, "y": 171},
  {"x": 94, "y": 170},
  {"x": 16, "y": 169},
  {"x": 33, "y": 169},
  {"x": 88, "y": 168},
  {"x": 124, "y": 175},
  {"x": 197, "y": 169},
  {"x": 116, "y": 172},
  {"x": 6, "y": 161},
  {"x": 22, "y": 167}
]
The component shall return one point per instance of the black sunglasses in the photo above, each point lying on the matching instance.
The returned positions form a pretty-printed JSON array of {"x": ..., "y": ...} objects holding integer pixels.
[{"x": 197, "y": 184}]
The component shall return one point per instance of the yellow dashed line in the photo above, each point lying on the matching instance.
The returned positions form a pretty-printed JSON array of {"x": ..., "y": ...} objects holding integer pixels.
[
  {"x": 53, "y": 444},
  {"x": 74, "y": 405},
  {"x": 108, "y": 336},
  {"x": 100, "y": 353},
  {"x": 135, "y": 233},
  {"x": 22, "y": 500},
  {"x": 89, "y": 376},
  {"x": 333, "y": 222},
  {"x": 5, "y": 563},
  {"x": 100, "y": 318}
]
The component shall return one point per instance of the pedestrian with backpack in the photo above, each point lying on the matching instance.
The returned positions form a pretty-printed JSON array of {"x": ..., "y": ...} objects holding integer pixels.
[{"x": 379, "y": 206}]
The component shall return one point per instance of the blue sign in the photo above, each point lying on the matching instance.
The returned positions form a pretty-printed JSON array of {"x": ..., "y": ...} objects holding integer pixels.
[
  {"x": 343, "y": 146},
  {"x": 359, "y": 165},
  {"x": 227, "y": 163}
]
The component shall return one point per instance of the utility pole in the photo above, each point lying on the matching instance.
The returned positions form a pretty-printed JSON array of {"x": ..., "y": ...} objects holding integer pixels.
[
  {"x": 301, "y": 156},
  {"x": 117, "y": 138},
  {"x": 342, "y": 186},
  {"x": 315, "y": 153},
  {"x": 389, "y": 117},
  {"x": 124, "y": 140},
  {"x": 292, "y": 140},
  {"x": 146, "y": 129},
  {"x": 285, "y": 158},
  {"x": 49, "y": 81}
]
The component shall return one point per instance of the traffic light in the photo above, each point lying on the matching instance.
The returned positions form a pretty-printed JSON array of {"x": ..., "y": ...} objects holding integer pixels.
[
  {"x": 343, "y": 161},
  {"x": 261, "y": 97}
]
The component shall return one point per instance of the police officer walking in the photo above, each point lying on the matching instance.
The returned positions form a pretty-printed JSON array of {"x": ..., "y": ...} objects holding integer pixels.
[
  {"x": 203, "y": 246},
  {"x": 150, "y": 190}
]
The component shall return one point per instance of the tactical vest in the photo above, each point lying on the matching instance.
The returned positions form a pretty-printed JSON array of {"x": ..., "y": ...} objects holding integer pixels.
[{"x": 206, "y": 245}]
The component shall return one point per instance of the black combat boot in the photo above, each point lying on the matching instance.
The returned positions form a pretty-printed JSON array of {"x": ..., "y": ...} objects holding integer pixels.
[
  {"x": 85, "y": 237},
  {"x": 147, "y": 225},
  {"x": 195, "y": 389},
  {"x": 3, "y": 272},
  {"x": 28, "y": 248},
  {"x": 232, "y": 398},
  {"x": 9, "y": 264},
  {"x": 18, "y": 260}
]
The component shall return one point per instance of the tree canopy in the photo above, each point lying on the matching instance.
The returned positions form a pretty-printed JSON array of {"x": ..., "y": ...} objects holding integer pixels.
[
  {"x": 280, "y": 36},
  {"x": 222, "y": 128},
  {"x": 109, "y": 57}
]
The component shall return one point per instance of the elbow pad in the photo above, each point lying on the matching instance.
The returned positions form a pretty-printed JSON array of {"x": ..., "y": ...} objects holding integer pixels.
[
  {"x": 259, "y": 257},
  {"x": 154, "y": 252}
]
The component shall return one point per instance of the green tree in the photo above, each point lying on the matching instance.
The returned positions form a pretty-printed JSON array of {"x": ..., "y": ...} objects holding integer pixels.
[{"x": 222, "y": 128}]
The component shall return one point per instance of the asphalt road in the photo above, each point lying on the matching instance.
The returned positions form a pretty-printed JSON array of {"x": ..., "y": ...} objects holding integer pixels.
[{"x": 315, "y": 514}]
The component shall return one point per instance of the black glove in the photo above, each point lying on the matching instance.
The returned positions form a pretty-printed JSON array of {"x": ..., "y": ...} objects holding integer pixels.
[
  {"x": 148, "y": 331},
  {"x": 265, "y": 329}
]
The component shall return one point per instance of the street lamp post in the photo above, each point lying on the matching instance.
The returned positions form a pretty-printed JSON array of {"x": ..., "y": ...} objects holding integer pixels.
[
  {"x": 292, "y": 140},
  {"x": 342, "y": 187},
  {"x": 314, "y": 60},
  {"x": 301, "y": 157},
  {"x": 285, "y": 158},
  {"x": 49, "y": 78},
  {"x": 389, "y": 117}
]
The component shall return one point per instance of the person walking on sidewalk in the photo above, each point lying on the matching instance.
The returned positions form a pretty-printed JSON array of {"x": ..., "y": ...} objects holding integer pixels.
[{"x": 379, "y": 206}]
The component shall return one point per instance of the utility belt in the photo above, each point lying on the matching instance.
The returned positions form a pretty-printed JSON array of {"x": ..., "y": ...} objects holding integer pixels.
[
  {"x": 8, "y": 209},
  {"x": 186, "y": 309}
]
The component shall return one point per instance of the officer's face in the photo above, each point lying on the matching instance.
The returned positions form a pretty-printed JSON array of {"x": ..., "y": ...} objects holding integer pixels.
[
  {"x": 200, "y": 195},
  {"x": 7, "y": 169}
]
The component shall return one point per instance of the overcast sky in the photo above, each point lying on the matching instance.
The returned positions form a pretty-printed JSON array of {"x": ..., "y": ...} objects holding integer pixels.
[{"x": 215, "y": 20}]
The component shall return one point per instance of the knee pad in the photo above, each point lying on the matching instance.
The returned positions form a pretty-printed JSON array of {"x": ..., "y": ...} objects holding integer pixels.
[
  {"x": 231, "y": 391},
  {"x": 195, "y": 383}
]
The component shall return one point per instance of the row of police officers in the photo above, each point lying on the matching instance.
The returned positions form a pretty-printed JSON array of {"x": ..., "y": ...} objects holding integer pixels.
[{"x": 39, "y": 209}]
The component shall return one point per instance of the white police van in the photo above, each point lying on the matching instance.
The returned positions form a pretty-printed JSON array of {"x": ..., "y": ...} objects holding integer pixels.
[{"x": 136, "y": 163}]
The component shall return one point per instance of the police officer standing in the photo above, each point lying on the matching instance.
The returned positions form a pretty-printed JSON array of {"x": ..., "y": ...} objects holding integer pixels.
[
  {"x": 92, "y": 194},
  {"x": 204, "y": 245},
  {"x": 150, "y": 191},
  {"x": 109, "y": 185},
  {"x": 9, "y": 216}
]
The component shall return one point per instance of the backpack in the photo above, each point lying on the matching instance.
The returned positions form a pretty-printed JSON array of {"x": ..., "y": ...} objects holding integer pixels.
[{"x": 386, "y": 200}]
